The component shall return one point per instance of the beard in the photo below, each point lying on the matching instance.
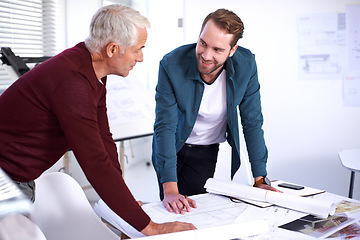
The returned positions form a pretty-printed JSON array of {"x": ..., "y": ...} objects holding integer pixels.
[{"x": 208, "y": 71}]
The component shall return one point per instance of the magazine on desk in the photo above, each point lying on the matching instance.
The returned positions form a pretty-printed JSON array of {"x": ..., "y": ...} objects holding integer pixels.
[{"x": 344, "y": 224}]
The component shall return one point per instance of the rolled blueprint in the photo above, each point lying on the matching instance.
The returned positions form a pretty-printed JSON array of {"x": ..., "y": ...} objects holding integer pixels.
[{"x": 320, "y": 208}]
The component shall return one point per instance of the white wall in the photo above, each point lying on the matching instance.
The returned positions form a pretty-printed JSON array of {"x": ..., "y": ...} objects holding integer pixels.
[
  {"x": 306, "y": 123},
  {"x": 78, "y": 16}
]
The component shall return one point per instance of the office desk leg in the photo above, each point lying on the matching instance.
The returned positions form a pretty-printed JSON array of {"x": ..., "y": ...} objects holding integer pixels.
[{"x": 66, "y": 163}]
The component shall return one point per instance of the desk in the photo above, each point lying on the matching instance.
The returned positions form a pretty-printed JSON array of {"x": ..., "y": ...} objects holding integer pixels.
[
  {"x": 215, "y": 210},
  {"x": 122, "y": 148}
]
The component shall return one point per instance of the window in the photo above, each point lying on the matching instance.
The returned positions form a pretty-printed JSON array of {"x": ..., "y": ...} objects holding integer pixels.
[{"x": 28, "y": 27}]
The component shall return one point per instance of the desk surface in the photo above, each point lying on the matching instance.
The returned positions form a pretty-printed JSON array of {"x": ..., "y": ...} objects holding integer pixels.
[{"x": 215, "y": 211}]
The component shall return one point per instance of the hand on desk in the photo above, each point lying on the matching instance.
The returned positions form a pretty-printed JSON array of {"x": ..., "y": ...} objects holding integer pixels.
[
  {"x": 174, "y": 201},
  {"x": 267, "y": 187},
  {"x": 155, "y": 228}
]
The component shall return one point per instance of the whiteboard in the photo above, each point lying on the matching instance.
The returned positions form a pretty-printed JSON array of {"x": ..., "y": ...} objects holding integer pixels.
[{"x": 130, "y": 107}]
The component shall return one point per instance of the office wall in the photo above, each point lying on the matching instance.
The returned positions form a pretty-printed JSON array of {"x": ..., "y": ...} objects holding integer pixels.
[
  {"x": 77, "y": 17},
  {"x": 306, "y": 123}
]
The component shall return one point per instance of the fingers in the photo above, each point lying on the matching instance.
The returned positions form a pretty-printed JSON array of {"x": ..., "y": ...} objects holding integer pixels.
[
  {"x": 267, "y": 187},
  {"x": 178, "y": 203},
  {"x": 275, "y": 189},
  {"x": 168, "y": 227},
  {"x": 183, "y": 226},
  {"x": 191, "y": 202},
  {"x": 176, "y": 227},
  {"x": 168, "y": 206},
  {"x": 174, "y": 206}
]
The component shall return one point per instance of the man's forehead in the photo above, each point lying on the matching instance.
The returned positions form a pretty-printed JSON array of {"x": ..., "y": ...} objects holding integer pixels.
[{"x": 215, "y": 36}]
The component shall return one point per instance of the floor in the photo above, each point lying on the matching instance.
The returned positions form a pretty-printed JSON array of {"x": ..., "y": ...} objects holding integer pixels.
[
  {"x": 142, "y": 182},
  {"x": 140, "y": 179}
]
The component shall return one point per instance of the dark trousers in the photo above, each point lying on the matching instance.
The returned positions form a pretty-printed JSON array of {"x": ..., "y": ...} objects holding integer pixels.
[{"x": 195, "y": 164}]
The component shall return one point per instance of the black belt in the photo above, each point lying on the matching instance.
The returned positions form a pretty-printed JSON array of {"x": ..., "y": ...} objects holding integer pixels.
[{"x": 201, "y": 146}]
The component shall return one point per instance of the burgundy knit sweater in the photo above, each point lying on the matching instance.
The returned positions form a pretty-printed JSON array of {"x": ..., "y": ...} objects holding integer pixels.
[{"x": 60, "y": 104}]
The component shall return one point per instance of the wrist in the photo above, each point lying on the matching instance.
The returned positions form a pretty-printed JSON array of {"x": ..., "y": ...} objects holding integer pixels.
[
  {"x": 150, "y": 229},
  {"x": 262, "y": 180},
  {"x": 170, "y": 187}
]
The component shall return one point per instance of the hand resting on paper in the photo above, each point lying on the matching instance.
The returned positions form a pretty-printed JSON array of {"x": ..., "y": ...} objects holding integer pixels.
[
  {"x": 265, "y": 186},
  {"x": 154, "y": 228},
  {"x": 174, "y": 201}
]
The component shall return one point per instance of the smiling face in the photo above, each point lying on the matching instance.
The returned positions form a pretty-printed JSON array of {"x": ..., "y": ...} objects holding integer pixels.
[
  {"x": 212, "y": 50},
  {"x": 128, "y": 57}
]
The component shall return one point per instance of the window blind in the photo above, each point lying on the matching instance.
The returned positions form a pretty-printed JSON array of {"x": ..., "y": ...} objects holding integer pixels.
[{"x": 28, "y": 28}]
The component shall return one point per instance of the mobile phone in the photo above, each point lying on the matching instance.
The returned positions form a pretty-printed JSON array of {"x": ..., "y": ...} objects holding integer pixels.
[{"x": 291, "y": 186}]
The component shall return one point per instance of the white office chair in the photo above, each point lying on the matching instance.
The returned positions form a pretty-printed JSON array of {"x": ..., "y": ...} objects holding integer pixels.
[
  {"x": 17, "y": 226},
  {"x": 62, "y": 211},
  {"x": 350, "y": 159}
]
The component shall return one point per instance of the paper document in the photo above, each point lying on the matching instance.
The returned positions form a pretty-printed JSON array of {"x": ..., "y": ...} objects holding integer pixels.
[
  {"x": 212, "y": 211},
  {"x": 231, "y": 231},
  {"x": 311, "y": 206}
]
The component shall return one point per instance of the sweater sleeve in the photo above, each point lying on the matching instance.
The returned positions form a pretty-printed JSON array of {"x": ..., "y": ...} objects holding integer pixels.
[{"x": 83, "y": 120}]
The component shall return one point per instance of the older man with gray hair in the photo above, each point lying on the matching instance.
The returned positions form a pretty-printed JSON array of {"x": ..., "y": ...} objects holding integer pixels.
[{"x": 61, "y": 104}]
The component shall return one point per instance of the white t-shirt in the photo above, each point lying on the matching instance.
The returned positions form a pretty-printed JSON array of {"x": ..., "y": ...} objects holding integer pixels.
[{"x": 210, "y": 125}]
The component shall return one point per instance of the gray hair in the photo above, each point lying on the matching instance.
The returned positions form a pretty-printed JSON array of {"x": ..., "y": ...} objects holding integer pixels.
[{"x": 115, "y": 23}]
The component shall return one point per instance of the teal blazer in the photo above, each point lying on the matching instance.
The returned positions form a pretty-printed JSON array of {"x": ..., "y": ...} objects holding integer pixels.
[{"x": 178, "y": 96}]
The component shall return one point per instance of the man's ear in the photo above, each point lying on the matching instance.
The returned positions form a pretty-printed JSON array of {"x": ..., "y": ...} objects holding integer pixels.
[
  {"x": 112, "y": 49},
  {"x": 232, "y": 51}
]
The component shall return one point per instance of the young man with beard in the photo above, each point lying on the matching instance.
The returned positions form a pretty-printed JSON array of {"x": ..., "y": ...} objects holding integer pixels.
[{"x": 199, "y": 88}]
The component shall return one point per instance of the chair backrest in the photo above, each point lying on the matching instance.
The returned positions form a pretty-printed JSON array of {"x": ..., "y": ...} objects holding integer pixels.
[
  {"x": 350, "y": 158},
  {"x": 17, "y": 226},
  {"x": 62, "y": 211}
]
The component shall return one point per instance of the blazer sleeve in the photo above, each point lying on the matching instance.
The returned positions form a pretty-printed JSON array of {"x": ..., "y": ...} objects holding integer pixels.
[{"x": 164, "y": 149}]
